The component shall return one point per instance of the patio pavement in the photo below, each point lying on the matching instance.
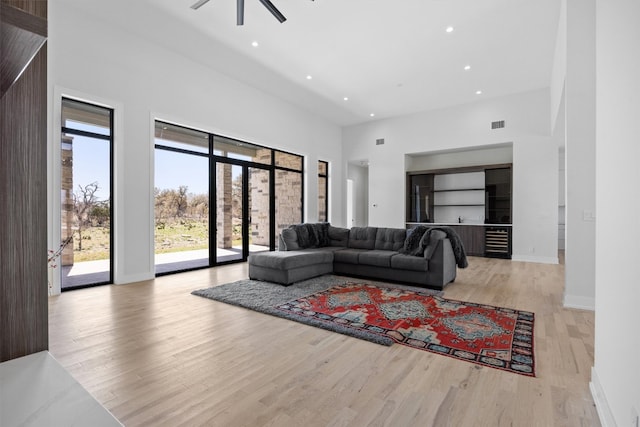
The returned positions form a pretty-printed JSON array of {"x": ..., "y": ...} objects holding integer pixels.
[{"x": 88, "y": 272}]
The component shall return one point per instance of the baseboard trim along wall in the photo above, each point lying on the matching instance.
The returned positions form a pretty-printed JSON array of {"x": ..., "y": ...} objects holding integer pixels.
[
  {"x": 538, "y": 259},
  {"x": 581, "y": 303},
  {"x": 123, "y": 280},
  {"x": 602, "y": 406}
]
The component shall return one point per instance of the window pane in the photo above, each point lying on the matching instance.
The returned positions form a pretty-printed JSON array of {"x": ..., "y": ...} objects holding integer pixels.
[
  {"x": 288, "y": 199},
  {"x": 169, "y": 135},
  {"x": 181, "y": 211},
  {"x": 85, "y": 117},
  {"x": 322, "y": 167},
  {"x": 234, "y": 149},
  {"x": 322, "y": 199},
  {"x": 229, "y": 192},
  {"x": 259, "y": 218},
  {"x": 289, "y": 161},
  {"x": 85, "y": 257}
]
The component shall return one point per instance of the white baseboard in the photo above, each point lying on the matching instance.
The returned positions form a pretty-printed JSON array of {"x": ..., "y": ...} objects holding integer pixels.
[
  {"x": 581, "y": 303},
  {"x": 124, "y": 279},
  {"x": 602, "y": 406},
  {"x": 538, "y": 259}
]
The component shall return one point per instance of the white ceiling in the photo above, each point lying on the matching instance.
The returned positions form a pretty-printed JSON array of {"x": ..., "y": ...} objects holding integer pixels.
[{"x": 388, "y": 57}]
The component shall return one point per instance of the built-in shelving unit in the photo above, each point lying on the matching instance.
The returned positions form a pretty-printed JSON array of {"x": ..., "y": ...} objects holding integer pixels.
[
  {"x": 474, "y": 201},
  {"x": 458, "y": 197}
]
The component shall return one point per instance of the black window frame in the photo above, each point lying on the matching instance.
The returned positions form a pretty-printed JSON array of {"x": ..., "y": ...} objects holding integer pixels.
[
  {"x": 214, "y": 159},
  {"x": 112, "y": 220},
  {"x": 326, "y": 189}
]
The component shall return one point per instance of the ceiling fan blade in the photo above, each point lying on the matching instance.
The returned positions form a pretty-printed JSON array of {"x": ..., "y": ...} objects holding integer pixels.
[
  {"x": 240, "y": 12},
  {"x": 274, "y": 11},
  {"x": 199, "y": 4}
]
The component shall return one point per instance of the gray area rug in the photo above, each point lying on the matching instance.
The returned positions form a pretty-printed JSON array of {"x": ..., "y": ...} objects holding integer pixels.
[{"x": 265, "y": 296}]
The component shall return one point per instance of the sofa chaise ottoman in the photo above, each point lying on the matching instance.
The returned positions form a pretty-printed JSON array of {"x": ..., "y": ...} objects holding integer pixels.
[{"x": 289, "y": 267}]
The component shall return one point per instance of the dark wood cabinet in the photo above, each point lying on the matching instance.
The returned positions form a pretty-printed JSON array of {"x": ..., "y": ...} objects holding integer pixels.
[
  {"x": 473, "y": 238},
  {"x": 23, "y": 179}
]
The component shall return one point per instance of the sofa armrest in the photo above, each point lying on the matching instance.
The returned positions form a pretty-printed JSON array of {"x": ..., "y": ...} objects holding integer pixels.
[{"x": 442, "y": 263}]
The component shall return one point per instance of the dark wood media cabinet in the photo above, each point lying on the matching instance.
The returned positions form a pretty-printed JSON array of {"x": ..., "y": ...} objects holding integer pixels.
[{"x": 485, "y": 240}]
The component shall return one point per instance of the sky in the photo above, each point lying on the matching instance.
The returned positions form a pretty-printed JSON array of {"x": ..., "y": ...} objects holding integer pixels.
[{"x": 91, "y": 164}]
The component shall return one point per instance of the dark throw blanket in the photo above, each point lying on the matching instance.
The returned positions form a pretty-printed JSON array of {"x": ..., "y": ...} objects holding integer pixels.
[
  {"x": 314, "y": 235},
  {"x": 412, "y": 242},
  {"x": 458, "y": 248}
]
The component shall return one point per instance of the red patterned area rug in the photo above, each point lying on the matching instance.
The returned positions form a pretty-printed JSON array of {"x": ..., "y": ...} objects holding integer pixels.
[{"x": 497, "y": 337}]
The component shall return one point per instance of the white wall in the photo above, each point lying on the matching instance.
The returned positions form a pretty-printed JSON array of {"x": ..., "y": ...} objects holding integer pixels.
[
  {"x": 360, "y": 177},
  {"x": 559, "y": 70},
  {"x": 98, "y": 61},
  {"x": 476, "y": 157},
  {"x": 616, "y": 375},
  {"x": 580, "y": 155},
  {"x": 535, "y": 160}
]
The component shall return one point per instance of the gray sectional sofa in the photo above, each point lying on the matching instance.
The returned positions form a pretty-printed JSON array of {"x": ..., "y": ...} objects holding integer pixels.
[{"x": 393, "y": 254}]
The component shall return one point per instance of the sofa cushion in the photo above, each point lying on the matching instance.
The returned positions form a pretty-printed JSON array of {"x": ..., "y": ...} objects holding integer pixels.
[
  {"x": 409, "y": 262},
  {"x": 338, "y": 236},
  {"x": 290, "y": 239},
  {"x": 390, "y": 239},
  {"x": 348, "y": 256},
  {"x": 325, "y": 248},
  {"x": 290, "y": 259},
  {"x": 362, "y": 237},
  {"x": 376, "y": 257}
]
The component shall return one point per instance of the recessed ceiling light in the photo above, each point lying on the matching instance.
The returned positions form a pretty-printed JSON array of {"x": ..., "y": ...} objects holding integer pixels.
[
  {"x": 372, "y": 114},
  {"x": 467, "y": 67},
  {"x": 449, "y": 29},
  {"x": 478, "y": 92},
  {"x": 254, "y": 44},
  {"x": 346, "y": 98},
  {"x": 309, "y": 77}
]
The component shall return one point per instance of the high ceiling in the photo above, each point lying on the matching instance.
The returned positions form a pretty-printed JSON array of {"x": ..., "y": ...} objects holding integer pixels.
[{"x": 387, "y": 57}]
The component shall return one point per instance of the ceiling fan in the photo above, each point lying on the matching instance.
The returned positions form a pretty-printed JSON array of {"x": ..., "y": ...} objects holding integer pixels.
[{"x": 240, "y": 10}]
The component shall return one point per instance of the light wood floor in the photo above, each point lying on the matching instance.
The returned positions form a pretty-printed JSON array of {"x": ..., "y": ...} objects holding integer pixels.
[{"x": 154, "y": 355}]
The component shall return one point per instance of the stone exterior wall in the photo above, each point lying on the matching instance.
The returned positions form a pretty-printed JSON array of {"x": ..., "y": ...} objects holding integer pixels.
[
  {"x": 288, "y": 199},
  {"x": 224, "y": 206},
  {"x": 259, "y": 206},
  {"x": 67, "y": 199}
]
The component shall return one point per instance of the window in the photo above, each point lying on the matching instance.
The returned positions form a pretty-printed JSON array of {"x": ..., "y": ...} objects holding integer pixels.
[
  {"x": 86, "y": 183},
  {"x": 252, "y": 191},
  {"x": 323, "y": 191},
  {"x": 181, "y": 193}
]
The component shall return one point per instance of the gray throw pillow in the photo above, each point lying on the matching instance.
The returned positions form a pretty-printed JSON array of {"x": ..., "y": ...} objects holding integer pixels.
[
  {"x": 290, "y": 239},
  {"x": 429, "y": 242},
  {"x": 338, "y": 236}
]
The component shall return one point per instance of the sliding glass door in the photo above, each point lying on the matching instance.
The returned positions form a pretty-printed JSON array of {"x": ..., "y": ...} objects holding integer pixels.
[
  {"x": 243, "y": 220},
  {"x": 229, "y": 212},
  {"x": 218, "y": 199}
]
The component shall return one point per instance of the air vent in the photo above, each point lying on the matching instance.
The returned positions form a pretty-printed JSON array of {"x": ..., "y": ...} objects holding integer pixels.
[
  {"x": 380, "y": 141},
  {"x": 497, "y": 125}
]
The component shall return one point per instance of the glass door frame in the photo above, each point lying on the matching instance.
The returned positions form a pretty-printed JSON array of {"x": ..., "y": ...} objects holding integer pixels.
[
  {"x": 246, "y": 217},
  {"x": 277, "y": 163}
]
